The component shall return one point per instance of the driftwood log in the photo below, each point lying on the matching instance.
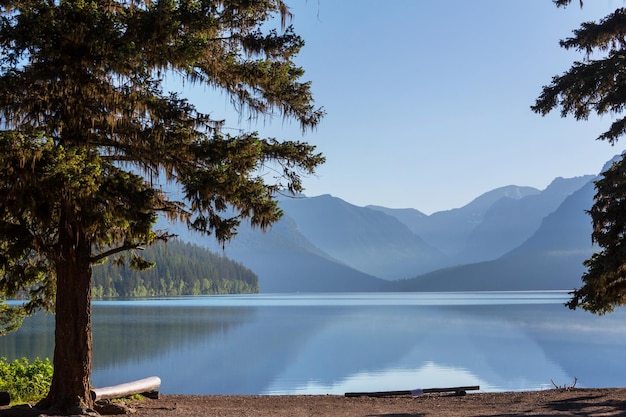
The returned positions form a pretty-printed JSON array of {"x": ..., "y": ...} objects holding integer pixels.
[
  {"x": 414, "y": 392},
  {"x": 147, "y": 386},
  {"x": 5, "y": 398}
]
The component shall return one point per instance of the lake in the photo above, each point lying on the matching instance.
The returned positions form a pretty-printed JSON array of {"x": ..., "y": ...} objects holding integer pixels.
[{"x": 337, "y": 343}]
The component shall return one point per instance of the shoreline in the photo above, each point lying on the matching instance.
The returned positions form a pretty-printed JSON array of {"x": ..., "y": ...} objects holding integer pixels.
[{"x": 549, "y": 402}]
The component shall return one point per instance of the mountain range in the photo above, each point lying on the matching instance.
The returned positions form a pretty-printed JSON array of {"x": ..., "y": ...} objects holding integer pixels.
[{"x": 510, "y": 238}]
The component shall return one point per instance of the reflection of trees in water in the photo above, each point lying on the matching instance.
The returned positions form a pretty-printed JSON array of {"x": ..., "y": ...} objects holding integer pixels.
[
  {"x": 35, "y": 339},
  {"x": 130, "y": 333}
]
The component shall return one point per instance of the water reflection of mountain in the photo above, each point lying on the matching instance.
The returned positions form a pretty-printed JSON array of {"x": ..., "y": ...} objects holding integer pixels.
[
  {"x": 296, "y": 349},
  {"x": 307, "y": 348},
  {"x": 498, "y": 347},
  {"x": 587, "y": 347},
  {"x": 517, "y": 339},
  {"x": 381, "y": 342},
  {"x": 241, "y": 360}
]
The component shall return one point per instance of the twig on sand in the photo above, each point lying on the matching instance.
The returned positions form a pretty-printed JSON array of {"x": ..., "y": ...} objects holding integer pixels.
[{"x": 565, "y": 387}]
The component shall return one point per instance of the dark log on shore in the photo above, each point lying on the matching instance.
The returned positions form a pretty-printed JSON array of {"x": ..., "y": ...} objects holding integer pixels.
[
  {"x": 146, "y": 386},
  {"x": 5, "y": 398},
  {"x": 414, "y": 392}
]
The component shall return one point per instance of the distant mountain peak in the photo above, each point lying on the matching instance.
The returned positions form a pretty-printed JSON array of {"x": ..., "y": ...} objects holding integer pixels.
[
  {"x": 486, "y": 200},
  {"x": 398, "y": 212},
  {"x": 612, "y": 161},
  {"x": 513, "y": 237}
]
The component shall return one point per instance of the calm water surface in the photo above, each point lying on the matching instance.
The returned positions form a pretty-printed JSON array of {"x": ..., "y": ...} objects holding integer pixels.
[{"x": 331, "y": 344}]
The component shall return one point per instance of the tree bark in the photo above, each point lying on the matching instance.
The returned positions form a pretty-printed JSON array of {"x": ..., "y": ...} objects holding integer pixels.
[{"x": 69, "y": 391}]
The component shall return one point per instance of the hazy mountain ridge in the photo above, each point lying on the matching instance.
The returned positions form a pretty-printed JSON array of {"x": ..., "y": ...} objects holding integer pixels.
[
  {"x": 449, "y": 230},
  {"x": 509, "y": 222},
  {"x": 551, "y": 259},
  {"x": 366, "y": 240},
  {"x": 510, "y": 238},
  {"x": 285, "y": 261}
]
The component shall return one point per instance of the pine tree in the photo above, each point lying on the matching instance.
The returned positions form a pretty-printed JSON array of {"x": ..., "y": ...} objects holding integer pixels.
[
  {"x": 597, "y": 85},
  {"x": 89, "y": 134},
  {"x": 190, "y": 263}
]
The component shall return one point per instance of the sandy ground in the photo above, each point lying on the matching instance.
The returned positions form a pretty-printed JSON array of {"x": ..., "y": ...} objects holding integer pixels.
[{"x": 556, "y": 402}]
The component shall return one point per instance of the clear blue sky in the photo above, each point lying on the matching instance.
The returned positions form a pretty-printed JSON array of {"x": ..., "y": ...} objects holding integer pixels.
[{"x": 428, "y": 102}]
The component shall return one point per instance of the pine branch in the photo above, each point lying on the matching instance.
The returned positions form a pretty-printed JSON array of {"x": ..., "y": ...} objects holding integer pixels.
[{"x": 123, "y": 248}]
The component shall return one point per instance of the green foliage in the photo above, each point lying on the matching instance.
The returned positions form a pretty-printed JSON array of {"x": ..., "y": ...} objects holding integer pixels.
[
  {"x": 10, "y": 317},
  {"x": 605, "y": 280},
  {"x": 564, "y": 3},
  {"x": 180, "y": 269},
  {"x": 91, "y": 140},
  {"x": 597, "y": 85},
  {"x": 24, "y": 381},
  {"x": 91, "y": 136}
]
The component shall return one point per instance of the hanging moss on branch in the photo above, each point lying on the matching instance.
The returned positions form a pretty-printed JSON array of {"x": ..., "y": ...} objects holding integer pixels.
[{"x": 91, "y": 140}]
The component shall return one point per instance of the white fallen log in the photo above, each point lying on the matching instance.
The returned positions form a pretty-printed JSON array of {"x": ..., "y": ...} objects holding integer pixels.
[{"x": 146, "y": 385}]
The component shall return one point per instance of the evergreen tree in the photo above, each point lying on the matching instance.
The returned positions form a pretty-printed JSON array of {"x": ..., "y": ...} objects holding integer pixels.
[
  {"x": 597, "y": 85},
  {"x": 178, "y": 263},
  {"x": 89, "y": 133}
]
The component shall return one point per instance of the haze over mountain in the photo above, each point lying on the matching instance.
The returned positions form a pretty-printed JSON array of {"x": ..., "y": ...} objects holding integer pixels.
[
  {"x": 449, "y": 230},
  {"x": 366, "y": 240},
  {"x": 491, "y": 224},
  {"x": 551, "y": 259},
  {"x": 510, "y": 238},
  {"x": 285, "y": 261},
  {"x": 509, "y": 222}
]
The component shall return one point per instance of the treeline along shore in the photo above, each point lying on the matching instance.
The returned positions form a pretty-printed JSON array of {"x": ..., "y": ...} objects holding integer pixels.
[{"x": 180, "y": 269}]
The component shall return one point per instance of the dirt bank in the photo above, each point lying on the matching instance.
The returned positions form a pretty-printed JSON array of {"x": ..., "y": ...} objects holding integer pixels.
[{"x": 573, "y": 402}]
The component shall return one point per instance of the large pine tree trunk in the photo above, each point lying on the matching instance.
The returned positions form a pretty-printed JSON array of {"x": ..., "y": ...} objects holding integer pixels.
[{"x": 69, "y": 392}]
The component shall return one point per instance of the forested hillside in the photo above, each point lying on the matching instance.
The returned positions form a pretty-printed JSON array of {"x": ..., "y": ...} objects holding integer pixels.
[{"x": 181, "y": 269}]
